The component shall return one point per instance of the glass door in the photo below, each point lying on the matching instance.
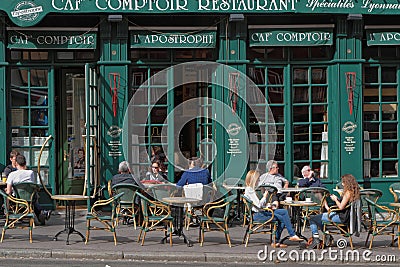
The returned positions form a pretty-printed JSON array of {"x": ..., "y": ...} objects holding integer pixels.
[{"x": 71, "y": 129}]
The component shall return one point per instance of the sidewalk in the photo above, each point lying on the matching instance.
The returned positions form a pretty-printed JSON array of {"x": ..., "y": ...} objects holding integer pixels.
[{"x": 101, "y": 245}]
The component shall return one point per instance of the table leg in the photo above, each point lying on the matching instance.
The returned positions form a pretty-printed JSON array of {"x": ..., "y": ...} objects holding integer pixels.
[
  {"x": 69, "y": 223},
  {"x": 179, "y": 225}
]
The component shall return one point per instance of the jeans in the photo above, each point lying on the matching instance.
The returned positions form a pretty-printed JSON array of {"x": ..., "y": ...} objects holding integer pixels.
[
  {"x": 316, "y": 221},
  {"x": 282, "y": 216}
]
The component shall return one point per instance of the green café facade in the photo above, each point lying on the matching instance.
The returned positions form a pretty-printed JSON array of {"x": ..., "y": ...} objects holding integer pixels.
[{"x": 328, "y": 73}]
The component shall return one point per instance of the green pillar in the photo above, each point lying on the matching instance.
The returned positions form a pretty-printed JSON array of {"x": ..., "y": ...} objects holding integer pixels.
[
  {"x": 3, "y": 98},
  {"x": 233, "y": 142},
  {"x": 349, "y": 81},
  {"x": 113, "y": 66}
]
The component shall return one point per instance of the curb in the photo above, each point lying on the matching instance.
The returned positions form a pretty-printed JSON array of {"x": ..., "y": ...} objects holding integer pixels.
[{"x": 208, "y": 257}]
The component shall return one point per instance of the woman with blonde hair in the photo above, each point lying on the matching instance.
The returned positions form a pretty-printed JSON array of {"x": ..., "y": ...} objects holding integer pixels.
[
  {"x": 351, "y": 192},
  {"x": 260, "y": 214}
]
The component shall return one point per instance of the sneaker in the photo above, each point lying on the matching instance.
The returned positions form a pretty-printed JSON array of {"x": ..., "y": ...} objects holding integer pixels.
[
  {"x": 295, "y": 238},
  {"x": 47, "y": 214},
  {"x": 315, "y": 243}
]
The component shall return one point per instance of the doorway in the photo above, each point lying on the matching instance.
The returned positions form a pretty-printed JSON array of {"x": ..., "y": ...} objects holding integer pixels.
[{"x": 70, "y": 126}]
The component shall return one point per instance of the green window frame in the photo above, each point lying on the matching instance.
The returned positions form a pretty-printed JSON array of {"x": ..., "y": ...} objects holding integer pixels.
[
  {"x": 380, "y": 119},
  {"x": 31, "y": 115},
  {"x": 297, "y": 96},
  {"x": 153, "y": 61}
]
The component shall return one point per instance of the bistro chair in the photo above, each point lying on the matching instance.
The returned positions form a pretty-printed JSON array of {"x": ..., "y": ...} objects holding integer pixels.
[
  {"x": 156, "y": 217},
  {"x": 271, "y": 189},
  {"x": 26, "y": 191},
  {"x": 317, "y": 195},
  {"x": 160, "y": 191},
  {"x": 259, "y": 227},
  {"x": 373, "y": 195},
  {"x": 383, "y": 221},
  {"x": 15, "y": 216},
  {"x": 108, "y": 219},
  {"x": 192, "y": 191},
  {"x": 396, "y": 195},
  {"x": 344, "y": 228},
  {"x": 128, "y": 208},
  {"x": 207, "y": 195},
  {"x": 208, "y": 222}
]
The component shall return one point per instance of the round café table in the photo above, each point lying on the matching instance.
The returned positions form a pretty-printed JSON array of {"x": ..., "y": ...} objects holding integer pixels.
[
  {"x": 70, "y": 202},
  {"x": 177, "y": 204},
  {"x": 296, "y": 208}
]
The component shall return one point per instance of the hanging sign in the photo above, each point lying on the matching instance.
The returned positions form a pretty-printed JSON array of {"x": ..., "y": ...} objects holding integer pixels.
[
  {"x": 383, "y": 37},
  {"x": 290, "y": 37},
  {"x": 45, "y": 39},
  {"x": 173, "y": 39}
]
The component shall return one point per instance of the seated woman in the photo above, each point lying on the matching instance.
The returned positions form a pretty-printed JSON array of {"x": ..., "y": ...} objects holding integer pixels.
[
  {"x": 281, "y": 215},
  {"x": 351, "y": 192}
]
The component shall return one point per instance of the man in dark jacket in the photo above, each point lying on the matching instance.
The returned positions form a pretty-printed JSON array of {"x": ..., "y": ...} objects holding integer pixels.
[
  {"x": 125, "y": 176},
  {"x": 309, "y": 180}
]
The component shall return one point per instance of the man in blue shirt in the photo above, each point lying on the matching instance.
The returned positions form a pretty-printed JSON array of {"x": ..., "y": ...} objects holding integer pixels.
[{"x": 195, "y": 173}]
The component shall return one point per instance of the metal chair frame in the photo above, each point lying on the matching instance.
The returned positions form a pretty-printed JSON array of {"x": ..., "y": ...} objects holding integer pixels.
[
  {"x": 156, "y": 217},
  {"x": 256, "y": 227},
  {"x": 109, "y": 221},
  {"x": 221, "y": 224},
  {"x": 21, "y": 210}
]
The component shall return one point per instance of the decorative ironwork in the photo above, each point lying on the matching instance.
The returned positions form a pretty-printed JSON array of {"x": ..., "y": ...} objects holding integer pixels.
[
  {"x": 350, "y": 86},
  {"x": 115, "y": 83}
]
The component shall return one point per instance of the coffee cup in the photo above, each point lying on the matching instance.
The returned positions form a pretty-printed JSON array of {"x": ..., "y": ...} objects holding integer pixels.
[
  {"x": 288, "y": 199},
  {"x": 308, "y": 199}
]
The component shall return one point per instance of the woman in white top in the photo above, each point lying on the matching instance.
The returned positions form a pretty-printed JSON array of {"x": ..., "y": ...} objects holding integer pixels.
[{"x": 259, "y": 214}]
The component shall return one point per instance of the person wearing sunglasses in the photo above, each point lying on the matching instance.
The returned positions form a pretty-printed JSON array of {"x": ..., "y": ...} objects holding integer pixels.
[
  {"x": 155, "y": 174},
  {"x": 309, "y": 179}
]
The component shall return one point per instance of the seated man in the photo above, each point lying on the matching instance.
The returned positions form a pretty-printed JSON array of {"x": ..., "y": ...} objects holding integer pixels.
[
  {"x": 125, "y": 176},
  {"x": 22, "y": 175},
  {"x": 13, "y": 166},
  {"x": 195, "y": 173},
  {"x": 272, "y": 177},
  {"x": 309, "y": 180}
]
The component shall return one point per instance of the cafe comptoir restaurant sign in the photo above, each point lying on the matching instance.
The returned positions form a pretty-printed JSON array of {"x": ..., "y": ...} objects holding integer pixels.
[{"x": 30, "y": 12}]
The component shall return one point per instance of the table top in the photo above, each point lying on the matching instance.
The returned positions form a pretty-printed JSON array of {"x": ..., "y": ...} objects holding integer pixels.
[
  {"x": 69, "y": 197},
  {"x": 180, "y": 200},
  {"x": 396, "y": 204},
  {"x": 3, "y": 183},
  {"x": 237, "y": 187},
  {"x": 291, "y": 189},
  {"x": 299, "y": 203}
]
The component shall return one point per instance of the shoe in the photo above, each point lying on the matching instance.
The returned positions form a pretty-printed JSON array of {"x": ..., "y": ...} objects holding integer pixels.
[
  {"x": 42, "y": 219},
  {"x": 47, "y": 214},
  {"x": 295, "y": 238},
  {"x": 315, "y": 243},
  {"x": 278, "y": 245},
  {"x": 328, "y": 240}
]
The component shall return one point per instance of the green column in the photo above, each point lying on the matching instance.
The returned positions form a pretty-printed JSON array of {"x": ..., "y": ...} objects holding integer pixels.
[
  {"x": 3, "y": 105},
  {"x": 349, "y": 81},
  {"x": 232, "y": 142},
  {"x": 113, "y": 66}
]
